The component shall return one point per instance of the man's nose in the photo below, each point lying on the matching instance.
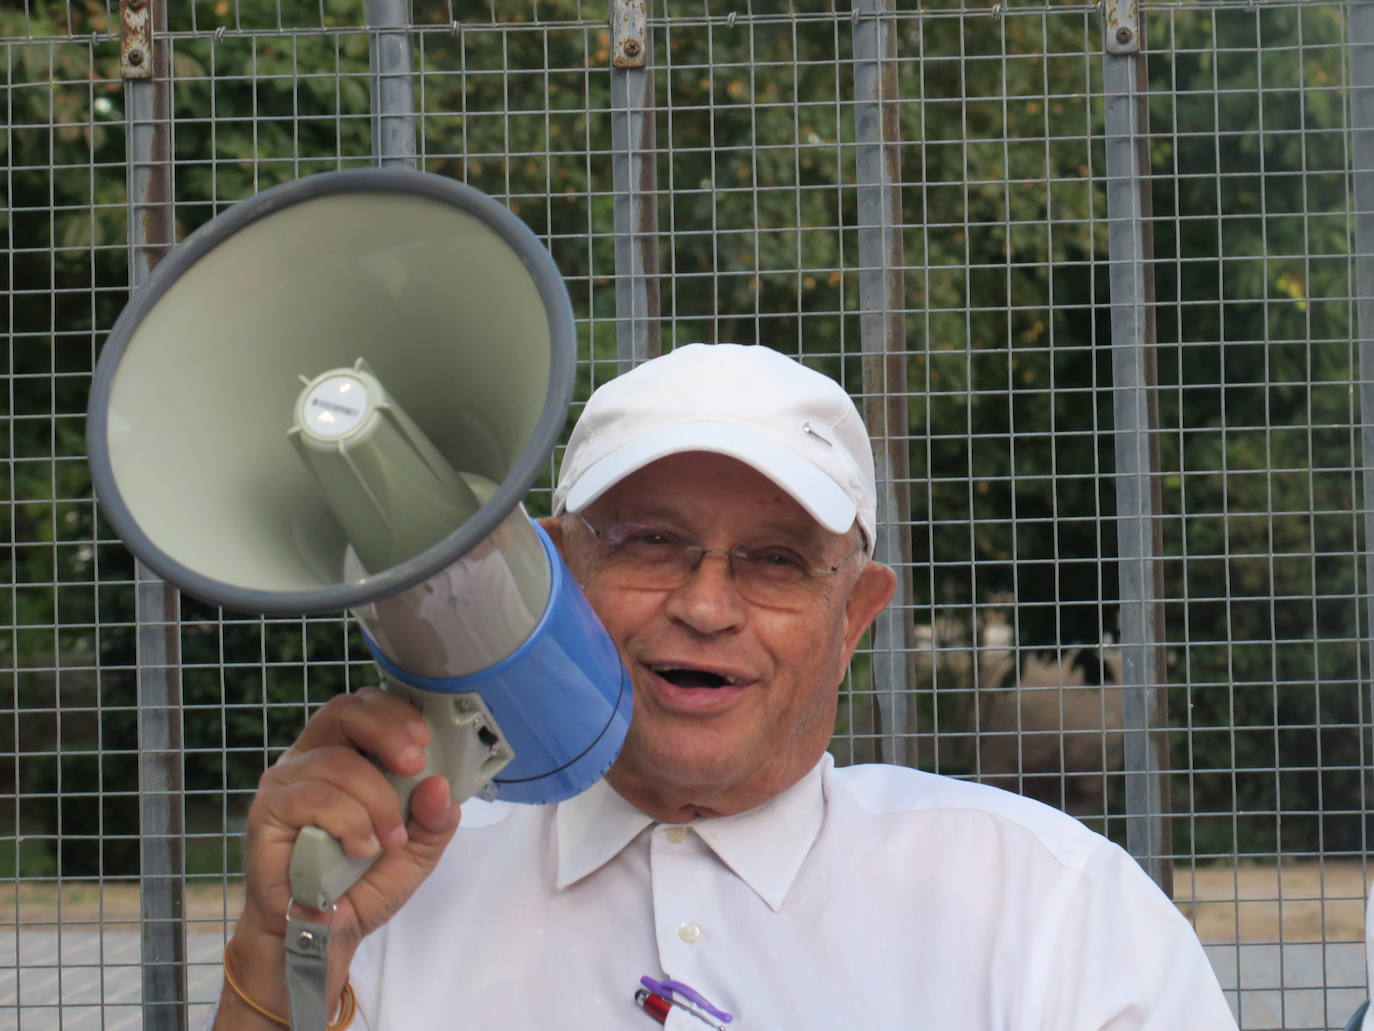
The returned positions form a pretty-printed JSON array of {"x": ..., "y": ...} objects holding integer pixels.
[{"x": 709, "y": 602}]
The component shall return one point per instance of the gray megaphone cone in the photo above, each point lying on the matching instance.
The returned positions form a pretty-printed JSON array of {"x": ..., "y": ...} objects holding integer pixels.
[{"x": 450, "y": 298}]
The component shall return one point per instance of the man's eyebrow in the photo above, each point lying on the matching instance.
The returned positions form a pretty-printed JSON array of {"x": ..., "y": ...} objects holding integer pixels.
[
  {"x": 811, "y": 534},
  {"x": 646, "y": 515}
]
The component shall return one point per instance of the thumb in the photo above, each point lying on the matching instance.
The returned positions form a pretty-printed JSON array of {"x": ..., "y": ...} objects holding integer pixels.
[
  {"x": 433, "y": 810},
  {"x": 399, "y": 871}
]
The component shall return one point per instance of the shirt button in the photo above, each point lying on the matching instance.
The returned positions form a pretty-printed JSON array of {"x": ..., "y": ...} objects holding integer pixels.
[
  {"x": 689, "y": 932},
  {"x": 677, "y": 834}
]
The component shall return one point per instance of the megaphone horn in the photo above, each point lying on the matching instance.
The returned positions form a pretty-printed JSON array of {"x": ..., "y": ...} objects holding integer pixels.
[{"x": 335, "y": 395}]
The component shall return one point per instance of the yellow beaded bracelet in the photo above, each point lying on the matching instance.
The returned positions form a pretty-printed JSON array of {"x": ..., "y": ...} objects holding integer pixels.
[{"x": 348, "y": 1005}]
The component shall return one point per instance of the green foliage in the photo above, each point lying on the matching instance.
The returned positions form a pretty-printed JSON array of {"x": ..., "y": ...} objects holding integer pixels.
[
  {"x": 759, "y": 212},
  {"x": 1256, "y": 359},
  {"x": 65, "y": 224},
  {"x": 299, "y": 105}
]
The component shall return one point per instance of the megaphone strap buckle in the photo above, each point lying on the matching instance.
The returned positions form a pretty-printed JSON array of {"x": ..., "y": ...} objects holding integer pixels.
[{"x": 291, "y": 905}]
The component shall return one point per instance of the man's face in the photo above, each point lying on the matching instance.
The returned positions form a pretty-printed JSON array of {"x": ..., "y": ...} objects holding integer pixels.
[{"x": 734, "y": 701}]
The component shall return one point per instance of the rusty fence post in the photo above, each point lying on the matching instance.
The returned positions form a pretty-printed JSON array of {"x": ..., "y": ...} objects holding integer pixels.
[
  {"x": 145, "y": 67},
  {"x": 1139, "y": 500},
  {"x": 635, "y": 178},
  {"x": 882, "y": 328}
]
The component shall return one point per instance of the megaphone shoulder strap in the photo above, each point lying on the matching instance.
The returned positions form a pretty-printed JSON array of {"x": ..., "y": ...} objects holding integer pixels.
[{"x": 307, "y": 970}]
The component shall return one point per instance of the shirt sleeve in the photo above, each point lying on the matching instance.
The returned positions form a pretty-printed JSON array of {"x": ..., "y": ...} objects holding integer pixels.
[{"x": 1127, "y": 959}]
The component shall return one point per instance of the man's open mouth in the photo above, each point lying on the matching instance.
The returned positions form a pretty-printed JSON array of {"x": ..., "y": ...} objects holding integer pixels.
[{"x": 685, "y": 676}]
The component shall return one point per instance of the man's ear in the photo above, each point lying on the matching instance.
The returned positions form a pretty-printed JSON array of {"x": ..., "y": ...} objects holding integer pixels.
[
  {"x": 869, "y": 596},
  {"x": 553, "y": 526}
]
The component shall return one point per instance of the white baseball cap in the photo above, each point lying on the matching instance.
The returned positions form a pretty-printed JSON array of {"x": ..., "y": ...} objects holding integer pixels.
[{"x": 794, "y": 425}]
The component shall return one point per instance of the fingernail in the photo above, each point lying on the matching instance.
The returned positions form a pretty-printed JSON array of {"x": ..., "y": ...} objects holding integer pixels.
[
  {"x": 372, "y": 845},
  {"x": 397, "y": 838},
  {"x": 410, "y": 753}
]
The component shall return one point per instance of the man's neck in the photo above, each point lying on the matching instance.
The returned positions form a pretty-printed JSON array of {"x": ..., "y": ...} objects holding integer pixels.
[{"x": 704, "y": 803}]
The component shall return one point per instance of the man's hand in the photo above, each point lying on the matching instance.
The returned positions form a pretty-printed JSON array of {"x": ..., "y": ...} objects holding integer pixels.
[{"x": 325, "y": 780}]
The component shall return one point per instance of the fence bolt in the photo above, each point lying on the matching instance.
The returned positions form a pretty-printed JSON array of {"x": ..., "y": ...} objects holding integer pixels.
[
  {"x": 629, "y": 33},
  {"x": 1121, "y": 24},
  {"x": 135, "y": 39}
]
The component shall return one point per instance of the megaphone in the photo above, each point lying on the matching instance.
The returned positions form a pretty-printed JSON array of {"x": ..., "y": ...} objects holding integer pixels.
[{"x": 335, "y": 395}]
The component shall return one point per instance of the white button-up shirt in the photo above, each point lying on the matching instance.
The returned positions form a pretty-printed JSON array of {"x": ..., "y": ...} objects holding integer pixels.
[{"x": 870, "y": 897}]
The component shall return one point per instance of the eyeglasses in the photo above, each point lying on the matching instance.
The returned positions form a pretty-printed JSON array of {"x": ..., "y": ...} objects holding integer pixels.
[{"x": 653, "y": 558}]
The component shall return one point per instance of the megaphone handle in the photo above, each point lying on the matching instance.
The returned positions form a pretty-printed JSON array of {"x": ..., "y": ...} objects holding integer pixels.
[{"x": 466, "y": 747}]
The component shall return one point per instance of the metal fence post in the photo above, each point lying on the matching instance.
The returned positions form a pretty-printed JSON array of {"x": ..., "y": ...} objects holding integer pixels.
[
  {"x": 882, "y": 328},
  {"x": 1136, "y": 411},
  {"x": 162, "y": 829},
  {"x": 145, "y": 67},
  {"x": 393, "y": 96},
  {"x": 634, "y": 170},
  {"x": 1362, "y": 167}
]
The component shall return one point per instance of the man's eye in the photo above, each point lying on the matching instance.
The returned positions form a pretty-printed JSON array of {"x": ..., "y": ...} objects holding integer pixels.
[
  {"x": 642, "y": 537},
  {"x": 778, "y": 558}
]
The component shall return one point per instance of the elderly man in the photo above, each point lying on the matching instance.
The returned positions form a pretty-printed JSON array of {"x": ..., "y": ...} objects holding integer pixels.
[{"x": 717, "y": 507}]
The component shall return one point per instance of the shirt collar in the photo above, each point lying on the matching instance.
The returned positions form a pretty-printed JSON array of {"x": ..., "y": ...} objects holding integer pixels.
[
  {"x": 765, "y": 846},
  {"x": 592, "y": 829}
]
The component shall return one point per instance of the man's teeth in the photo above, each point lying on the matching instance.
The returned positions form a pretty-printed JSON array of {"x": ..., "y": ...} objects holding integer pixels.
[{"x": 685, "y": 676}]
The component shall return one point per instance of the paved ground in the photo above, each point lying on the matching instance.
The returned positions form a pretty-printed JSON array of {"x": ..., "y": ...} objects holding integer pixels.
[
  {"x": 1308, "y": 986},
  {"x": 96, "y": 977}
]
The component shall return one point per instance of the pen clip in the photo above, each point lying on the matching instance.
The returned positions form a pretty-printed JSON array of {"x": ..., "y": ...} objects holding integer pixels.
[{"x": 668, "y": 988}]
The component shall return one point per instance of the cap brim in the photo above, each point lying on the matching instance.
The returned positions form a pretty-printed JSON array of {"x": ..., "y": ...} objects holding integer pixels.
[{"x": 821, "y": 496}]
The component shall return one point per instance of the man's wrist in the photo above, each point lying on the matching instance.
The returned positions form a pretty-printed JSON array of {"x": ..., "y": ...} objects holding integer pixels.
[
  {"x": 254, "y": 994},
  {"x": 255, "y": 978},
  {"x": 235, "y": 999}
]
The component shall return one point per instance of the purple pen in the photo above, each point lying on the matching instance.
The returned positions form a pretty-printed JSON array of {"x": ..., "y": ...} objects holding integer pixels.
[{"x": 696, "y": 1003}]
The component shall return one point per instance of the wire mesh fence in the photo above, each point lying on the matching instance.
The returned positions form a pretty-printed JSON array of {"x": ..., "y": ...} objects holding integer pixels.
[{"x": 1105, "y": 301}]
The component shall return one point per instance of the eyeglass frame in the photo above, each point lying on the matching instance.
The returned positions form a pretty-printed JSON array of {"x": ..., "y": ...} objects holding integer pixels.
[{"x": 809, "y": 572}]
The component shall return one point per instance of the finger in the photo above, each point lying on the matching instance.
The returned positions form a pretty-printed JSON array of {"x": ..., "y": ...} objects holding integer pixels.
[
  {"x": 317, "y": 803},
  {"x": 346, "y": 772},
  {"x": 397, "y": 873},
  {"x": 274, "y": 824},
  {"x": 373, "y": 721}
]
